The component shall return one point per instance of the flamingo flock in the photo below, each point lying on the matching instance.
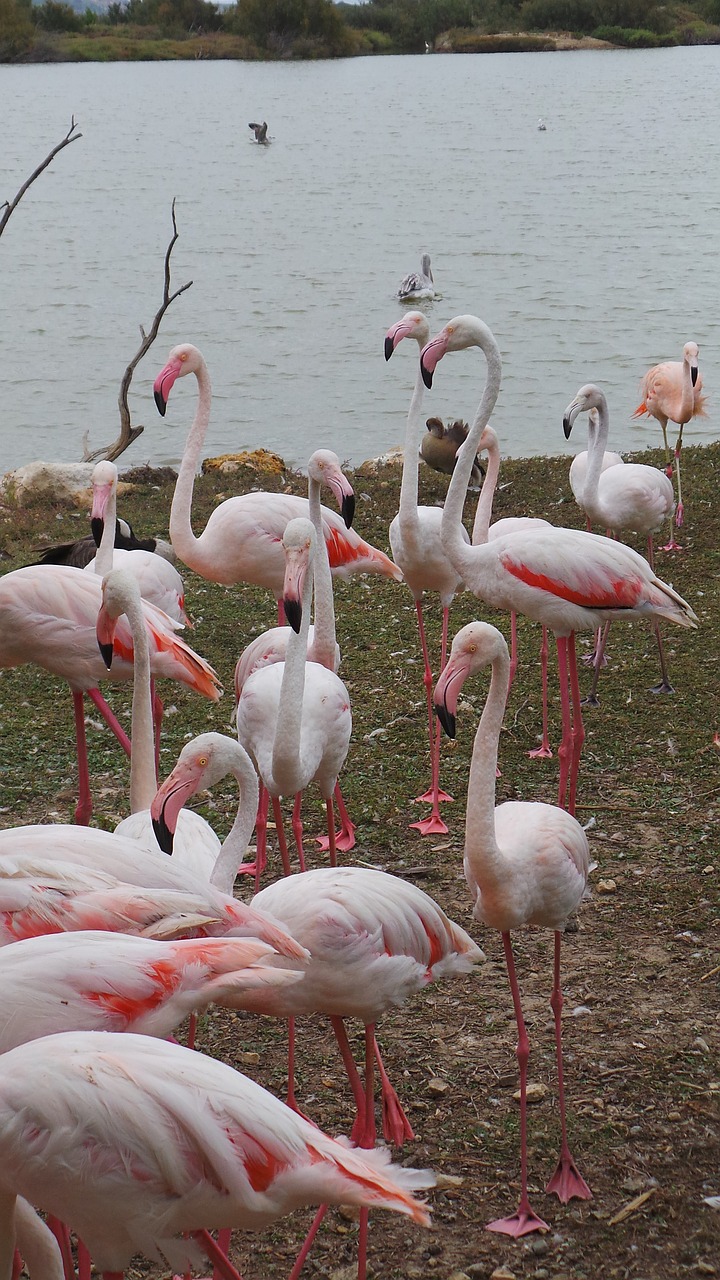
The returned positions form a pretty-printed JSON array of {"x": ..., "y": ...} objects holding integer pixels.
[{"x": 115, "y": 1139}]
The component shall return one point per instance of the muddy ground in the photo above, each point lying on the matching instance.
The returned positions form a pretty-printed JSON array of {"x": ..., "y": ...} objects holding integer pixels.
[{"x": 640, "y": 974}]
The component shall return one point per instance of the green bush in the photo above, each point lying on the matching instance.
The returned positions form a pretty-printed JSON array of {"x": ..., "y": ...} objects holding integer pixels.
[
  {"x": 633, "y": 37},
  {"x": 52, "y": 16}
]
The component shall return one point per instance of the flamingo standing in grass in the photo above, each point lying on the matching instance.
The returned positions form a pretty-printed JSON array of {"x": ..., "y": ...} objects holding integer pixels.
[
  {"x": 671, "y": 392},
  {"x": 293, "y": 717},
  {"x": 417, "y": 549},
  {"x": 242, "y": 540},
  {"x": 48, "y": 615},
  {"x": 567, "y": 580},
  {"x": 525, "y": 863},
  {"x": 632, "y": 496},
  {"x": 133, "y": 1140}
]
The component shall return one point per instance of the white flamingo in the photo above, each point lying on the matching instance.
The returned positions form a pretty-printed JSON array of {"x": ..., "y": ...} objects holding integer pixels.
[{"x": 525, "y": 863}]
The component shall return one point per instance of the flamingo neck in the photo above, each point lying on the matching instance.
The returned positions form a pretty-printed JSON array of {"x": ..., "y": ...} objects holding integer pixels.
[
  {"x": 103, "y": 561},
  {"x": 324, "y": 639},
  {"x": 286, "y": 746},
  {"x": 408, "y": 511},
  {"x": 687, "y": 403},
  {"x": 483, "y": 859},
  {"x": 460, "y": 555},
  {"x": 7, "y": 1234},
  {"x": 143, "y": 780},
  {"x": 598, "y": 430},
  {"x": 483, "y": 514},
  {"x": 186, "y": 545},
  {"x": 37, "y": 1244},
  {"x": 234, "y": 846}
]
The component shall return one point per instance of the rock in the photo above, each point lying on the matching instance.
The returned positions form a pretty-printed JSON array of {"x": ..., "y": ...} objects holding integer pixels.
[
  {"x": 502, "y": 1273},
  {"x": 59, "y": 481},
  {"x": 259, "y": 460},
  {"x": 393, "y": 458},
  {"x": 437, "y": 1087},
  {"x": 534, "y": 1093},
  {"x": 606, "y": 886}
]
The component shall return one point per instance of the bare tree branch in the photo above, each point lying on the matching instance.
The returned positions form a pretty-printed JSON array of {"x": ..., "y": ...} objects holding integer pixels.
[
  {"x": 9, "y": 206},
  {"x": 128, "y": 432}
]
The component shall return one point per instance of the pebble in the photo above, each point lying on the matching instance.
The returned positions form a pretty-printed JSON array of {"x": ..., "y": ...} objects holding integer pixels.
[
  {"x": 606, "y": 886},
  {"x": 437, "y": 1087},
  {"x": 533, "y": 1093},
  {"x": 502, "y": 1273}
]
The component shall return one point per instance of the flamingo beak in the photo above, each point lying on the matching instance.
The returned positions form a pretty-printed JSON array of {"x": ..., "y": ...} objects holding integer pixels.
[
  {"x": 569, "y": 417},
  {"x": 446, "y": 692},
  {"x": 105, "y": 632},
  {"x": 169, "y": 800},
  {"x": 101, "y": 493},
  {"x": 693, "y": 373},
  {"x": 430, "y": 356},
  {"x": 389, "y": 346},
  {"x": 344, "y": 496},
  {"x": 295, "y": 570},
  {"x": 164, "y": 383},
  {"x": 396, "y": 333}
]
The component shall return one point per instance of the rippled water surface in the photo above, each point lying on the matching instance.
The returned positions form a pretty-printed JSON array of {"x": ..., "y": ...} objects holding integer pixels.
[{"x": 590, "y": 249}]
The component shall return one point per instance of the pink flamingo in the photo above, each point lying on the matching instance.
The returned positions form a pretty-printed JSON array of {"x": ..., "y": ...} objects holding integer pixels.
[
  {"x": 567, "y": 580},
  {"x": 48, "y": 615},
  {"x": 271, "y": 646},
  {"x": 632, "y": 496},
  {"x": 293, "y": 717},
  {"x": 417, "y": 549},
  {"x": 525, "y": 863},
  {"x": 241, "y": 541},
  {"x": 671, "y": 393},
  {"x": 133, "y": 1141}
]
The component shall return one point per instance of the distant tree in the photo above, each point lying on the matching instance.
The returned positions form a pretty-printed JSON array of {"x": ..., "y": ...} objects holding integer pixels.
[
  {"x": 54, "y": 16},
  {"x": 16, "y": 30},
  {"x": 276, "y": 24}
]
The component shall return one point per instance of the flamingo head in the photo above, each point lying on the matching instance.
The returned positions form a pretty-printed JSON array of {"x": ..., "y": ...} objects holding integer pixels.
[
  {"x": 588, "y": 400},
  {"x": 459, "y": 333},
  {"x": 473, "y": 648},
  {"x": 690, "y": 356},
  {"x": 200, "y": 765},
  {"x": 119, "y": 590},
  {"x": 413, "y": 325},
  {"x": 299, "y": 547},
  {"x": 324, "y": 468},
  {"x": 104, "y": 483},
  {"x": 182, "y": 360}
]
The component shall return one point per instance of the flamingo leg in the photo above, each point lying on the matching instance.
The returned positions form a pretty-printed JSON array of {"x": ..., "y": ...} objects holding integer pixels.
[
  {"x": 565, "y": 748},
  {"x": 513, "y": 651},
  {"x": 17, "y": 1266},
  {"x": 578, "y": 728},
  {"x": 590, "y": 658},
  {"x": 277, "y": 814},
  {"x": 62, "y": 1235},
  {"x": 346, "y": 839},
  {"x": 565, "y": 1182},
  {"x": 308, "y": 1242},
  {"x": 664, "y": 686},
  {"x": 544, "y": 751},
  {"x": 297, "y": 827},
  {"x": 192, "y": 1031},
  {"x": 679, "y": 508},
  {"x": 332, "y": 844},
  {"x": 83, "y": 809},
  {"x": 224, "y": 1238},
  {"x": 222, "y": 1267},
  {"x": 396, "y": 1126},
  {"x": 524, "y": 1220},
  {"x": 672, "y": 545},
  {"x": 433, "y": 824},
  {"x": 352, "y": 1073},
  {"x": 110, "y": 718},
  {"x": 599, "y": 661},
  {"x": 84, "y": 1262}
]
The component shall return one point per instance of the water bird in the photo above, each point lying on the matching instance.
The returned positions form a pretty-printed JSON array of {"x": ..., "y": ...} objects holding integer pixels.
[
  {"x": 261, "y": 132},
  {"x": 671, "y": 392},
  {"x": 439, "y": 448},
  {"x": 418, "y": 284}
]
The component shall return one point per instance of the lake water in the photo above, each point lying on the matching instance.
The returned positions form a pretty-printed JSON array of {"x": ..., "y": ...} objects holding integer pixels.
[{"x": 589, "y": 249}]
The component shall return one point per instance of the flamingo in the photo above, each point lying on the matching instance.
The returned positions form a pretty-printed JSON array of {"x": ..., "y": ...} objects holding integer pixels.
[
  {"x": 99, "y": 981},
  {"x": 293, "y": 717},
  {"x": 48, "y": 615},
  {"x": 579, "y": 467},
  {"x": 418, "y": 284},
  {"x": 671, "y": 392},
  {"x": 525, "y": 863},
  {"x": 417, "y": 549},
  {"x": 567, "y": 580},
  {"x": 133, "y": 1140},
  {"x": 632, "y": 496},
  {"x": 271, "y": 646},
  {"x": 241, "y": 541}
]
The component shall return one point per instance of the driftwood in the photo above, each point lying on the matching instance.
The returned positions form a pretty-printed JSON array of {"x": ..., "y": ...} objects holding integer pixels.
[
  {"x": 8, "y": 207},
  {"x": 128, "y": 432}
]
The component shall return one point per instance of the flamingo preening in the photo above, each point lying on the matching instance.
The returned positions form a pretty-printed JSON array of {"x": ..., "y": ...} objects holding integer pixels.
[{"x": 567, "y": 580}]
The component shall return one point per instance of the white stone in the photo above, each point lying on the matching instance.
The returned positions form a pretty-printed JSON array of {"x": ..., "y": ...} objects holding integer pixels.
[{"x": 59, "y": 481}]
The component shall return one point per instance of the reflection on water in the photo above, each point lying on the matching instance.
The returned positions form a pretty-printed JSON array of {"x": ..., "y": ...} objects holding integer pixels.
[{"x": 589, "y": 248}]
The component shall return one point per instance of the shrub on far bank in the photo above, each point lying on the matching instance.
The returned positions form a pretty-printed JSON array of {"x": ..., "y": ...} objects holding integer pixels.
[{"x": 634, "y": 38}]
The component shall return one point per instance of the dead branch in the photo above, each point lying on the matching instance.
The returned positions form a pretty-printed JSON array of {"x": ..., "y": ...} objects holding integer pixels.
[
  {"x": 9, "y": 206},
  {"x": 128, "y": 432}
]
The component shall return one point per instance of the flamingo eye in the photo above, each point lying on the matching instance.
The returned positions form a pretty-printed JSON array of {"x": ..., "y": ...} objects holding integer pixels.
[
  {"x": 184, "y": 356},
  {"x": 202, "y": 761},
  {"x": 472, "y": 648}
]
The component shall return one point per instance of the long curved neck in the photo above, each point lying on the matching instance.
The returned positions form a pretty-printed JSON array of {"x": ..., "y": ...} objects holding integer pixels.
[
  {"x": 286, "y": 747},
  {"x": 482, "y": 855},
  {"x": 324, "y": 636},
  {"x": 103, "y": 561},
  {"x": 237, "y": 839},
  {"x": 143, "y": 780},
  {"x": 598, "y": 429},
  {"x": 408, "y": 512},
  {"x": 460, "y": 555},
  {"x": 483, "y": 513},
  {"x": 687, "y": 403},
  {"x": 185, "y": 544}
]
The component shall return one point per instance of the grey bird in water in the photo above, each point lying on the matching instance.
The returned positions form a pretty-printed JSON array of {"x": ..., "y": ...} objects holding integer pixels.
[
  {"x": 419, "y": 284},
  {"x": 261, "y": 133},
  {"x": 439, "y": 448}
]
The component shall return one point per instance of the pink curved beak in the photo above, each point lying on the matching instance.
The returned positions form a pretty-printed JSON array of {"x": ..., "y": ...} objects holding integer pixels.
[
  {"x": 344, "y": 495},
  {"x": 105, "y": 629},
  {"x": 447, "y": 691},
  {"x": 431, "y": 355},
  {"x": 296, "y": 567},
  {"x": 395, "y": 335},
  {"x": 164, "y": 383},
  {"x": 175, "y": 791}
]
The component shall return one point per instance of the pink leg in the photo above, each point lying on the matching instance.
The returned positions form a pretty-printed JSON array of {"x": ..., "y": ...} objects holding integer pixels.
[
  {"x": 566, "y": 1182},
  {"x": 261, "y": 835},
  {"x": 599, "y": 661},
  {"x": 565, "y": 748},
  {"x": 110, "y": 718},
  {"x": 544, "y": 751},
  {"x": 332, "y": 846},
  {"x": 396, "y": 1126},
  {"x": 224, "y": 1238},
  {"x": 62, "y": 1235},
  {"x": 433, "y": 824},
  {"x": 277, "y": 813},
  {"x": 664, "y": 686},
  {"x": 578, "y": 728},
  {"x": 84, "y": 1262},
  {"x": 297, "y": 827},
  {"x": 346, "y": 839},
  {"x": 222, "y": 1267},
  {"x": 192, "y": 1031},
  {"x": 308, "y": 1242},
  {"x": 524, "y": 1220},
  {"x": 513, "y": 651},
  {"x": 17, "y": 1266},
  {"x": 83, "y": 809},
  {"x": 590, "y": 659},
  {"x": 352, "y": 1073}
]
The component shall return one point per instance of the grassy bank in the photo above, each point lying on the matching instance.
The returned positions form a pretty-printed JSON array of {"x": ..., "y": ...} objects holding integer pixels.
[{"x": 642, "y": 1048}]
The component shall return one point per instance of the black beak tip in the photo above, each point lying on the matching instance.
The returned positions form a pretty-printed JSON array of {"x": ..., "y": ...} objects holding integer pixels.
[
  {"x": 693, "y": 376},
  {"x": 426, "y": 375},
  {"x": 160, "y": 402},
  {"x": 389, "y": 347},
  {"x": 347, "y": 509},
  {"x": 567, "y": 427},
  {"x": 293, "y": 613},
  {"x": 163, "y": 834},
  {"x": 106, "y": 653},
  {"x": 446, "y": 718},
  {"x": 96, "y": 528}
]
